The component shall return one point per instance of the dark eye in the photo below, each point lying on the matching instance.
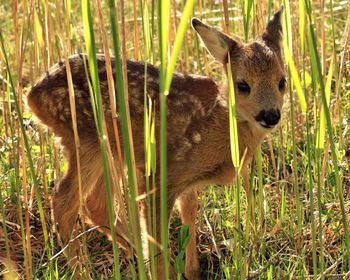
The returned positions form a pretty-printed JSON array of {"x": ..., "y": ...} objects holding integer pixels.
[
  {"x": 243, "y": 87},
  {"x": 282, "y": 84}
]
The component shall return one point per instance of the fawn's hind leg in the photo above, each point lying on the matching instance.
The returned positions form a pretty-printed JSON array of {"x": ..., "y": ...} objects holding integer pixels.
[
  {"x": 95, "y": 207},
  {"x": 65, "y": 201},
  {"x": 188, "y": 208},
  {"x": 96, "y": 214}
]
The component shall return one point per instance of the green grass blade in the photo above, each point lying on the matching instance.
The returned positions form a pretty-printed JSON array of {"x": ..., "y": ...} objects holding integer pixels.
[
  {"x": 320, "y": 137},
  {"x": 295, "y": 77},
  {"x": 247, "y": 7},
  {"x": 233, "y": 121},
  {"x": 302, "y": 27},
  {"x": 181, "y": 31},
  {"x": 126, "y": 137},
  {"x": 96, "y": 101},
  {"x": 163, "y": 23}
]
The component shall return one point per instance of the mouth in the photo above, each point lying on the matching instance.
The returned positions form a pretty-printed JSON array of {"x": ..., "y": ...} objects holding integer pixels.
[{"x": 265, "y": 125}]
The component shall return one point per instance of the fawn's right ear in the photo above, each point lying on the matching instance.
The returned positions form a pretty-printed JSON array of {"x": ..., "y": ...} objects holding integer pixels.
[
  {"x": 273, "y": 33},
  {"x": 217, "y": 43}
]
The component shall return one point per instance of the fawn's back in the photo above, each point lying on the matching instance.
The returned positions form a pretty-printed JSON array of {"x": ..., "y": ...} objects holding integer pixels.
[{"x": 191, "y": 103}]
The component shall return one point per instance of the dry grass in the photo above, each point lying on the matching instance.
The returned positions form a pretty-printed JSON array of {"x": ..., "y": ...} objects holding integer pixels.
[{"x": 282, "y": 247}]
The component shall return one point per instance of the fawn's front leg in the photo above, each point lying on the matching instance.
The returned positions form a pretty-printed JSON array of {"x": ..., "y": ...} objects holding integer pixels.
[
  {"x": 187, "y": 204},
  {"x": 246, "y": 184},
  {"x": 160, "y": 258},
  {"x": 188, "y": 208}
]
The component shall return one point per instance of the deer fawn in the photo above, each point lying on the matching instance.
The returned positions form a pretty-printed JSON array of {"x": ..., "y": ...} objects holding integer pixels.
[{"x": 198, "y": 125}]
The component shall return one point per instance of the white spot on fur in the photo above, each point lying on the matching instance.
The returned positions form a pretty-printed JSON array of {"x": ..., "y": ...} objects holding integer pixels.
[{"x": 196, "y": 137}]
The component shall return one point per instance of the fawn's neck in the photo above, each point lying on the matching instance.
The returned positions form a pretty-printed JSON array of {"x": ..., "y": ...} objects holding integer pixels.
[
  {"x": 249, "y": 137},
  {"x": 207, "y": 159}
]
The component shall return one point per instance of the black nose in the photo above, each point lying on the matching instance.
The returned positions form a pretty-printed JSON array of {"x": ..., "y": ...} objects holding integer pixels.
[{"x": 270, "y": 117}]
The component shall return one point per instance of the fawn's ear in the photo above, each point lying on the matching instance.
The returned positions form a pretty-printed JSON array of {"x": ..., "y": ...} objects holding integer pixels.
[
  {"x": 217, "y": 43},
  {"x": 273, "y": 33}
]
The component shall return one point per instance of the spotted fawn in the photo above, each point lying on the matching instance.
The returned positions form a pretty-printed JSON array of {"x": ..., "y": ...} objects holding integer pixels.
[{"x": 198, "y": 137}]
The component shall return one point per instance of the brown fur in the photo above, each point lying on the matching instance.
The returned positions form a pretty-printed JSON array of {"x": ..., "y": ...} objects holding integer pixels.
[{"x": 198, "y": 125}]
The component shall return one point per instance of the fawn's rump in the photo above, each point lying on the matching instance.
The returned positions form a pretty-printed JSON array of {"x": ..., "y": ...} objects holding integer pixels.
[{"x": 49, "y": 97}]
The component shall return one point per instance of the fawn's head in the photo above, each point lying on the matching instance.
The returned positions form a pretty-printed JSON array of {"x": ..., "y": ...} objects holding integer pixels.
[{"x": 257, "y": 70}]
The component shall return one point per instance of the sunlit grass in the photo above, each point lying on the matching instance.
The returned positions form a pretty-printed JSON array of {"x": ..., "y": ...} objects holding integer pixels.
[{"x": 300, "y": 179}]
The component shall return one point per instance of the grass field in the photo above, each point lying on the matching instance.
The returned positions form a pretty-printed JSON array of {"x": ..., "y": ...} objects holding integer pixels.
[{"x": 300, "y": 177}]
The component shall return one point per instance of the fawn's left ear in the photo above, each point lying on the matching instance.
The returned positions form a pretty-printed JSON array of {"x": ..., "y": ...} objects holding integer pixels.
[
  {"x": 273, "y": 33},
  {"x": 218, "y": 44}
]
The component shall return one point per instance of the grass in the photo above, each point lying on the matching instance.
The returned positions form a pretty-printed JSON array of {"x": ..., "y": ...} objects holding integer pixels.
[{"x": 300, "y": 179}]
